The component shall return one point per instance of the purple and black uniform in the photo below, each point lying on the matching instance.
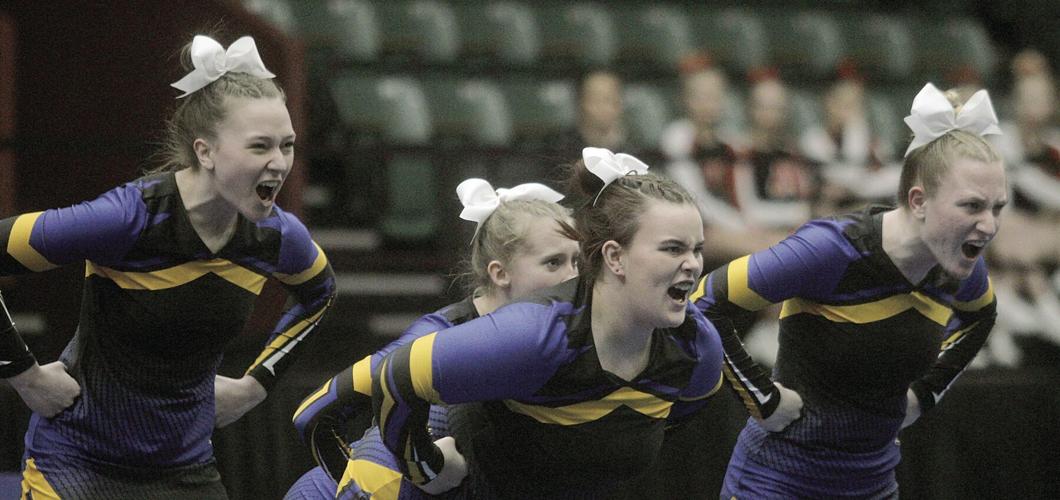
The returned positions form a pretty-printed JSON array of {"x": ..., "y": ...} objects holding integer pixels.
[
  {"x": 547, "y": 419},
  {"x": 366, "y": 468},
  {"x": 855, "y": 335},
  {"x": 157, "y": 310}
]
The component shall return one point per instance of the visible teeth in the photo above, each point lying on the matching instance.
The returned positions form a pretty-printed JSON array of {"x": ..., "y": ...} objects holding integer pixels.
[
  {"x": 684, "y": 286},
  {"x": 270, "y": 184}
]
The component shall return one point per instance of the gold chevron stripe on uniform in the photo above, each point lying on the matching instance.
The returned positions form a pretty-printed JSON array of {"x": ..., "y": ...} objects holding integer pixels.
[
  {"x": 182, "y": 274},
  {"x": 18, "y": 244},
  {"x": 740, "y": 292},
  {"x": 957, "y": 336},
  {"x": 379, "y": 482},
  {"x": 871, "y": 311},
  {"x": 313, "y": 398},
  {"x": 979, "y": 303},
  {"x": 362, "y": 376},
  {"x": 308, "y": 274},
  {"x": 588, "y": 411}
]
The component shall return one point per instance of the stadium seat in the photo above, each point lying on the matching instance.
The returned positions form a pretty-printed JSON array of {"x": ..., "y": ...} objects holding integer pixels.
[
  {"x": 805, "y": 45},
  {"x": 389, "y": 109},
  {"x": 579, "y": 35},
  {"x": 468, "y": 112},
  {"x": 805, "y": 108},
  {"x": 277, "y": 12},
  {"x": 881, "y": 46},
  {"x": 539, "y": 109},
  {"x": 412, "y": 207},
  {"x": 349, "y": 28},
  {"x": 499, "y": 32},
  {"x": 647, "y": 112},
  {"x": 654, "y": 38},
  {"x": 734, "y": 38},
  {"x": 418, "y": 31}
]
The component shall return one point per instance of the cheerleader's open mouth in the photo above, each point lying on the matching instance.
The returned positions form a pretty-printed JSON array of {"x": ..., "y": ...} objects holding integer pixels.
[
  {"x": 267, "y": 190},
  {"x": 972, "y": 249},
  {"x": 680, "y": 291}
]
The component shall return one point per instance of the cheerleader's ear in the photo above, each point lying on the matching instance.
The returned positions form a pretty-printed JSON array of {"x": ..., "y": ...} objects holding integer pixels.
[
  {"x": 613, "y": 253},
  {"x": 498, "y": 274}
]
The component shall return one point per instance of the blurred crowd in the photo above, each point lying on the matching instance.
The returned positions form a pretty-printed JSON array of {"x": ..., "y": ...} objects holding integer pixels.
[{"x": 760, "y": 177}]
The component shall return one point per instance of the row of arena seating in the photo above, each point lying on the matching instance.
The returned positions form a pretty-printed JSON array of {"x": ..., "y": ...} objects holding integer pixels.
[
  {"x": 441, "y": 109},
  {"x": 502, "y": 35}
]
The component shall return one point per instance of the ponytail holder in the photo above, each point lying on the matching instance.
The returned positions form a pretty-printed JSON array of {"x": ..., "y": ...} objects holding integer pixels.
[
  {"x": 933, "y": 116},
  {"x": 480, "y": 200},
  {"x": 609, "y": 166},
  {"x": 210, "y": 60}
]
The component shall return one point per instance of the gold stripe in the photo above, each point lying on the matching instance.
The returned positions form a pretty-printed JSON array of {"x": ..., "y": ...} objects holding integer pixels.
[
  {"x": 956, "y": 336},
  {"x": 182, "y": 274},
  {"x": 588, "y": 411},
  {"x": 308, "y": 274},
  {"x": 362, "y": 376},
  {"x": 34, "y": 485},
  {"x": 313, "y": 398},
  {"x": 977, "y": 304},
  {"x": 380, "y": 482},
  {"x": 871, "y": 311},
  {"x": 700, "y": 291},
  {"x": 388, "y": 400},
  {"x": 745, "y": 396},
  {"x": 285, "y": 337},
  {"x": 740, "y": 292},
  {"x": 420, "y": 368},
  {"x": 18, "y": 244}
]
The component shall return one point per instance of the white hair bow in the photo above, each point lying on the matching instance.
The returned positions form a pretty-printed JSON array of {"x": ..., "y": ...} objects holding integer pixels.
[
  {"x": 933, "y": 116},
  {"x": 480, "y": 200},
  {"x": 211, "y": 60},
  {"x": 609, "y": 166}
]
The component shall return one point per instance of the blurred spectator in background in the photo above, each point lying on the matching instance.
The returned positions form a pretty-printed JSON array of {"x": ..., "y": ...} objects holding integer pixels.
[
  {"x": 856, "y": 165},
  {"x": 777, "y": 187},
  {"x": 599, "y": 123},
  {"x": 1027, "y": 254},
  {"x": 701, "y": 154}
]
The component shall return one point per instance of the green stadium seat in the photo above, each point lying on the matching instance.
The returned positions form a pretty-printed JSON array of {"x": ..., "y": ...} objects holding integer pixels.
[
  {"x": 499, "y": 32},
  {"x": 579, "y": 34},
  {"x": 882, "y": 46},
  {"x": 419, "y": 31},
  {"x": 539, "y": 108},
  {"x": 349, "y": 28},
  {"x": 647, "y": 112},
  {"x": 804, "y": 45},
  {"x": 657, "y": 37},
  {"x": 468, "y": 112},
  {"x": 805, "y": 108},
  {"x": 735, "y": 38},
  {"x": 389, "y": 109},
  {"x": 412, "y": 206},
  {"x": 277, "y": 12}
]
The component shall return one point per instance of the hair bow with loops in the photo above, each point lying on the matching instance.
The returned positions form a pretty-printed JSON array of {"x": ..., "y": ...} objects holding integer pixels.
[
  {"x": 210, "y": 60},
  {"x": 932, "y": 116},
  {"x": 480, "y": 200},
  {"x": 609, "y": 166}
]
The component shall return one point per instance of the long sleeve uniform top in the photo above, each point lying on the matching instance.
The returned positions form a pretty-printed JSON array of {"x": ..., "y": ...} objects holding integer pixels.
[
  {"x": 855, "y": 335},
  {"x": 157, "y": 310},
  {"x": 560, "y": 423},
  {"x": 322, "y": 418}
]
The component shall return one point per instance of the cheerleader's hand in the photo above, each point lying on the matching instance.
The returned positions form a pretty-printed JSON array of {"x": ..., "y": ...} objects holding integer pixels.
[
  {"x": 234, "y": 397},
  {"x": 788, "y": 410},
  {"x": 453, "y": 472},
  {"x": 47, "y": 389},
  {"x": 912, "y": 409}
]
